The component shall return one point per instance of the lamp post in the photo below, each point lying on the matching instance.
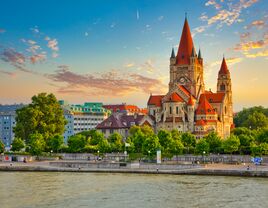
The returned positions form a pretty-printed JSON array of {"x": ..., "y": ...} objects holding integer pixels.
[
  {"x": 149, "y": 153},
  {"x": 204, "y": 156},
  {"x": 98, "y": 155}
]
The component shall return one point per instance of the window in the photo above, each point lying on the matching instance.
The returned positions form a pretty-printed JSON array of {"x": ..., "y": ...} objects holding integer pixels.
[
  {"x": 111, "y": 131},
  {"x": 170, "y": 110},
  {"x": 177, "y": 110},
  {"x": 222, "y": 87}
]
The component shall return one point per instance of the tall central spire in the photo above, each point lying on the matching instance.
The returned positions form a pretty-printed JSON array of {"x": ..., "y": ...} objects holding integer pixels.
[{"x": 186, "y": 45}]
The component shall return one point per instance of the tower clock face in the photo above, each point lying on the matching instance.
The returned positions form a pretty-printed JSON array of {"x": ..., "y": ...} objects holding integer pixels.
[{"x": 182, "y": 80}]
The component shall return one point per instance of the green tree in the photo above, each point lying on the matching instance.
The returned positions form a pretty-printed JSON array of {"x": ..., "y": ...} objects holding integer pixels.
[
  {"x": 231, "y": 144},
  {"x": 36, "y": 144},
  {"x": 2, "y": 146},
  {"x": 256, "y": 150},
  {"x": 95, "y": 137},
  {"x": 17, "y": 144},
  {"x": 103, "y": 146},
  {"x": 188, "y": 141},
  {"x": 176, "y": 147},
  {"x": 245, "y": 141},
  {"x": 116, "y": 142},
  {"x": 202, "y": 146},
  {"x": 137, "y": 137},
  {"x": 214, "y": 142},
  {"x": 262, "y": 136},
  {"x": 264, "y": 148},
  {"x": 165, "y": 140},
  {"x": 150, "y": 146},
  {"x": 54, "y": 143},
  {"x": 176, "y": 134},
  {"x": 77, "y": 143},
  {"x": 43, "y": 116},
  {"x": 147, "y": 130},
  {"x": 247, "y": 118}
]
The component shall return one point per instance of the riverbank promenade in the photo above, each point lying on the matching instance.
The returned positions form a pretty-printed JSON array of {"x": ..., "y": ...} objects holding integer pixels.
[{"x": 247, "y": 170}]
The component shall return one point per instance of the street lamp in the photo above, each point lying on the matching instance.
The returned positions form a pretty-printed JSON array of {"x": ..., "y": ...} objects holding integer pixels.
[
  {"x": 149, "y": 153},
  {"x": 204, "y": 156},
  {"x": 98, "y": 154}
]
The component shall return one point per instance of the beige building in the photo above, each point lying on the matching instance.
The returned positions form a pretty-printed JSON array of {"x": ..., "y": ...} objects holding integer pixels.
[{"x": 187, "y": 106}]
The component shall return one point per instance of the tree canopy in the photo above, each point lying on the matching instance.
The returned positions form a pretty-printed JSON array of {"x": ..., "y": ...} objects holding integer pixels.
[{"x": 42, "y": 116}]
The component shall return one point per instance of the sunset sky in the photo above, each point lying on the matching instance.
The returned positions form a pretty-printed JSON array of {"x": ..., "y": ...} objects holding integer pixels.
[{"x": 116, "y": 51}]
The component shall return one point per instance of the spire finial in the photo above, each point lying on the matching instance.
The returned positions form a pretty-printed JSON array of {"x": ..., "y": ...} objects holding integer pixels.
[
  {"x": 172, "y": 53},
  {"x": 186, "y": 15}
]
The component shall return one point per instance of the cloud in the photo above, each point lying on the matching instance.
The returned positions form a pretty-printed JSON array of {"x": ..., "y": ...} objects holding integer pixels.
[
  {"x": 148, "y": 66},
  {"x": 113, "y": 25},
  {"x": 246, "y": 46},
  {"x": 35, "y": 30},
  {"x": 38, "y": 58},
  {"x": 213, "y": 3},
  {"x": 230, "y": 61},
  {"x": 86, "y": 34},
  {"x": 160, "y": 18},
  {"x": 138, "y": 15},
  {"x": 257, "y": 23},
  {"x": 263, "y": 53},
  {"x": 11, "y": 74},
  {"x": 112, "y": 83},
  {"x": 53, "y": 45},
  {"x": 227, "y": 13},
  {"x": 11, "y": 56},
  {"x": 2, "y": 30},
  {"x": 129, "y": 65}
]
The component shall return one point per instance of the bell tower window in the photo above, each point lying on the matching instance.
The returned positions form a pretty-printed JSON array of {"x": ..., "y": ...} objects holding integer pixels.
[{"x": 222, "y": 87}]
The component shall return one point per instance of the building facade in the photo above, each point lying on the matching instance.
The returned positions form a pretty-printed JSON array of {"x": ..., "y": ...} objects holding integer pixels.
[
  {"x": 7, "y": 123},
  {"x": 121, "y": 123},
  {"x": 82, "y": 117},
  {"x": 187, "y": 106},
  {"x": 126, "y": 109}
]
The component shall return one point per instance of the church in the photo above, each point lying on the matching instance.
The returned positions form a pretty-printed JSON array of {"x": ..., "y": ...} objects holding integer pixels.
[{"x": 188, "y": 106}]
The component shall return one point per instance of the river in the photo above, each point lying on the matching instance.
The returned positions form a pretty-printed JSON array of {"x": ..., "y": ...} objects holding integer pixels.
[{"x": 50, "y": 189}]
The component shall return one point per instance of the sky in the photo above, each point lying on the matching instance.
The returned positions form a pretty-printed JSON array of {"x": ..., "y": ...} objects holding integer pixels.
[{"x": 116, "y": 51}]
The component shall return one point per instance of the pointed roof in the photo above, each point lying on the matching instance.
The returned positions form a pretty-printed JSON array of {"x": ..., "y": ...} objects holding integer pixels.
[
  {"x": 193, "y": 52},
  {"x": 224, "y": 68},
  {"x": 204, "y": 106},
  {"x": 174, "y": 97},
  {"x": 199, "y": 54},
  {"x": 155, "y": 100},
  {"x": 172, "y": 53},
  {"x": 190, "y": 101},
  {"x": 200, "y": 123},
  {"x": 186, "y": 45}
]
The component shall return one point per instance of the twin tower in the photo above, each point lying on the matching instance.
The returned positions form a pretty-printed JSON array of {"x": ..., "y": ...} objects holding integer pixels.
[{"x": 187, "y": 106}]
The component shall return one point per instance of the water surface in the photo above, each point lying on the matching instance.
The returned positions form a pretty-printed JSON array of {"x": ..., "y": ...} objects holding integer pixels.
[{"x": 50, "y": 189}]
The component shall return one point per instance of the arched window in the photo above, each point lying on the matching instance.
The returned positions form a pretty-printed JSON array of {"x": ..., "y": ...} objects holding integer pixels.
[{"x": 222, "y": 88}]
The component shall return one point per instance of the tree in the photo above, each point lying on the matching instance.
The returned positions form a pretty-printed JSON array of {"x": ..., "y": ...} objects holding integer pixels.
[
  {"x": 264, "y": 148},
  {"x": 231, "y": 144},
  {"x": 262, "y": 135},
  {"x": 77, "y": 143},
  {"x": 17, "y": 144},
  {"x": 245, "y": 141},
  {"x": 257, "y": 120},
  {"x": 214, "y": 142},
  {"x": 246, "y": 117},
  {"x": 188, "y": 140},
  {"x": 137, "y": 137},
  {"x": 95, "y": 137},
  {"x": 2, "y": 146},
  {"x": 176, "y": 134},
  {"x": 202, "y": 146},
  {"x": 54, "y": 143},
  {"x": 103, "y": 146},
  {"x": 176, "y": 147},
  {"x": 36, "y": 144},
  {"x": 116, "y": 142},
  {"x": 165, "y": 140},
  {"x": 43, "y": 116},
  {"x": 256, "y": 150},
  {"x": 150, "y": 146}
]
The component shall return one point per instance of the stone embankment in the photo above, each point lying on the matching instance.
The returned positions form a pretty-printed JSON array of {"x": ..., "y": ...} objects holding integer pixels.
[{"x": 82, "y": 166}]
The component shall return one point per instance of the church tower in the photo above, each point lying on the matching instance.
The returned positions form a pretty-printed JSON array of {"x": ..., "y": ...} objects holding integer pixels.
[
  {"x": 224, "y": 85},
  {"x": 186, "y": 68}
]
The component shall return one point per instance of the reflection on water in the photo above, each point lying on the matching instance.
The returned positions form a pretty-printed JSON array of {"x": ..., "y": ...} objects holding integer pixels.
[{"x": 46, "y": 190}]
